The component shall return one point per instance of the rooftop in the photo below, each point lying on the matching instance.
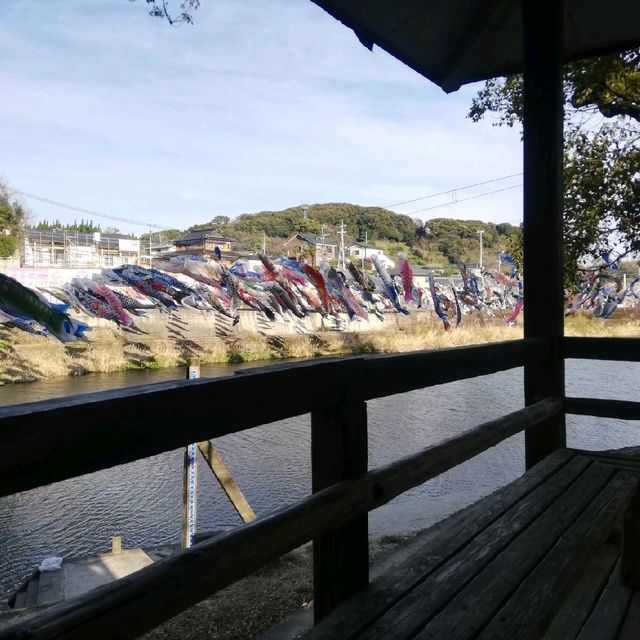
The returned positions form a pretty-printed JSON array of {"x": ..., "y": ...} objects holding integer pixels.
[
  {"x": 312, "y": 238},
  {"x": 193, "y": 237}
]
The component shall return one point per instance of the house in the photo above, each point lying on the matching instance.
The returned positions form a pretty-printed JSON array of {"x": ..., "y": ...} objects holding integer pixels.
[
  {"x": 363, "y": 251},
  {"x": 309, "y": 244},
  {"x": 160, "y": 247},
  {"x": 204, "y": 242},
  {"x": 74, "y": 249}
]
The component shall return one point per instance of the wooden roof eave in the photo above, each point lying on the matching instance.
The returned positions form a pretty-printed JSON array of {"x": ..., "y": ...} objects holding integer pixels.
[{"x": 454, "y": 42}]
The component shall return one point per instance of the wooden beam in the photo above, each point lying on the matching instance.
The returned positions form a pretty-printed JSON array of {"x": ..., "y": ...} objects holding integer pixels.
[
  {"x": 619, "y": 349},
  {"x": 54, "y": 440},
  {"x": 340, "y": 558},
  {"x": 130, "y": 606},
  {"x": 384, "y": 375},
  {"x": 620, "y": 409},
  {"x": 80, "y": 434},
  {"x": 226, "y": 480},
  {"x": 542, "y": 215}
]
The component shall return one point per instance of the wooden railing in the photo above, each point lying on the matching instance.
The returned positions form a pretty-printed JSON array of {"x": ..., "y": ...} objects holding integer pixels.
[
  {"x": 55, "y": 440},
  {"x": 616, "y": 349}
]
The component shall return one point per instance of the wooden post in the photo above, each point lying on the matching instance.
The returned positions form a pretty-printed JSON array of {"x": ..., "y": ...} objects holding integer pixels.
[
  {"x": 190, "y": 475},
  {"x": 227, "y": 482},
  {"x": 340, "y": 558},
  {"x": 630, "y": 567},
  {"x": 542, "y": 227},
  {"x": 116, "y": 544}
]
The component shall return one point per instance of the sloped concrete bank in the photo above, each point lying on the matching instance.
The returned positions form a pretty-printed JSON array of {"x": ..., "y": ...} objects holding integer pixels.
[{"x": 168, "y": 339}]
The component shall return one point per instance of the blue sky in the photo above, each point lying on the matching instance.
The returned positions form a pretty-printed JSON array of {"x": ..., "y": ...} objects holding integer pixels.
[{"x": 261, "y": 105}]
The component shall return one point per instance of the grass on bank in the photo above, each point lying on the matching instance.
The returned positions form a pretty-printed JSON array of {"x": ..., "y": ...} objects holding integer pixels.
[{"x": 25, "y": 357}]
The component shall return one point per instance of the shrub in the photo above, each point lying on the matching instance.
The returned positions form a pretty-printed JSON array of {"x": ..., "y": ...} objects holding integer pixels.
[{"x": 8, "y": 246}]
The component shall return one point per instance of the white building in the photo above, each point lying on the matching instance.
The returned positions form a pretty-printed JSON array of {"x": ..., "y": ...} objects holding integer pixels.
[
  {"x": 363, "y": 251},
  {"x": 72, "y": 249}
]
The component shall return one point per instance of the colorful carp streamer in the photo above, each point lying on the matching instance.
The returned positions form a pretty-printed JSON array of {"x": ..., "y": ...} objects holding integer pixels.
[
  {"x": 602, "y": 292},
  {"x": 287, "y": 288},
  {"x": 437, "y": 303},
  {"x": 28, "y": 311},
  {"x": 407, "y": 277}
]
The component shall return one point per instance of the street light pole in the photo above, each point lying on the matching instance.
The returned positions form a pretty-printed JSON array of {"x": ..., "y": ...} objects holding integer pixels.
[{"x": 480, "y": 232}]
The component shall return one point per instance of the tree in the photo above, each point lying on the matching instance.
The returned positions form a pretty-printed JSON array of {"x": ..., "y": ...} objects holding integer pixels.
[
  {"x": 12, "y": 221},
  {"x": 220, "y": 221},
  {"x": 602, "y": 152}
]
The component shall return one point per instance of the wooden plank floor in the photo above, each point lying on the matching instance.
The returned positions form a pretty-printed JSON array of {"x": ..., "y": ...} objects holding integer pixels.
[{"x": 537, "y": 559}]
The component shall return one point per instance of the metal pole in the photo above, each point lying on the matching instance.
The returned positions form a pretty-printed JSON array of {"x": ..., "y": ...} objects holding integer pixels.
[
  {"x": 480, "y": 232},
  {"x": 341, "y": 258}
]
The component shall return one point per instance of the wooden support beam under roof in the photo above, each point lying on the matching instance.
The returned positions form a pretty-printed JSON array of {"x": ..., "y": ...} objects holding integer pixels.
[{"x": 433, "y": 36}]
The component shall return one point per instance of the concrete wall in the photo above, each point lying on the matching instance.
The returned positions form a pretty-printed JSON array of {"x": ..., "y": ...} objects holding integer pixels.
[{"x": 187, "y": 323}]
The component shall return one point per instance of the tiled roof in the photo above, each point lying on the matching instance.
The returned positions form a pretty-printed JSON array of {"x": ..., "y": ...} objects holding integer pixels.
[
  {"x": 201, "y": 235},
  {"x": 312, "y": 238}
]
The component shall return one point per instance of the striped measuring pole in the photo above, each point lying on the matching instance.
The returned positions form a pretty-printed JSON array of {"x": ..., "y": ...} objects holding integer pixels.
[{"x": 190, "y": 476}]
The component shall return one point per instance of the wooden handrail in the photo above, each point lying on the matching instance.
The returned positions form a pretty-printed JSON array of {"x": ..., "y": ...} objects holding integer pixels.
[
  {"x": 54, "y": 440},
  {"x": 128, "y": 607},
  {"x": 620, "y": 409},
  {"x": 625, "y": 349}
]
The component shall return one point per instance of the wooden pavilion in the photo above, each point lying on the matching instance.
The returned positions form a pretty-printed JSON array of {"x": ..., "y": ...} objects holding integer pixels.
[{"x": 556, "y": 554}]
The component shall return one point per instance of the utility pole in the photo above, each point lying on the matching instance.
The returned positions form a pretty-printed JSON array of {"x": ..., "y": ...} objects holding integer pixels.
[
  {"x": 322, "y": 247},
  {"x": 342, "y": 263},
  {"x": 480, "y": 232},
  {"x": 264, "y": 242},
  {"x": 364, "y": 253}
]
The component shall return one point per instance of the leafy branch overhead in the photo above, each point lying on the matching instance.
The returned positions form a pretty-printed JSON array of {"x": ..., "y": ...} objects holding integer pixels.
[
  {"x": 162, "y": 9},
  {"x": 602, "y": 151}
]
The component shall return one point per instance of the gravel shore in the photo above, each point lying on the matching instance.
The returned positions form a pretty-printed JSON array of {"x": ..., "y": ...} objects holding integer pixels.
[{"x": 252, "y": 606}]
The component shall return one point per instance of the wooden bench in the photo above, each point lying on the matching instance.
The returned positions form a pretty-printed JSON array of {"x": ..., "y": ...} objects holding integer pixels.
[{"x": 539, "y": 558}]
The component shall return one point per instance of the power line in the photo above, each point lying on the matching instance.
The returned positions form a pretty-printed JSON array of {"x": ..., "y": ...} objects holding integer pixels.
[
  {"x": 479, "y": 195},
  {"x": 89, "y": 212},
  {"x": 444, "y": 193}
]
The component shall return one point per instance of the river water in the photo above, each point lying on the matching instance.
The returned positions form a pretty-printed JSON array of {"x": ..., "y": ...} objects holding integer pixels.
[{"x": 142, "y": 501}]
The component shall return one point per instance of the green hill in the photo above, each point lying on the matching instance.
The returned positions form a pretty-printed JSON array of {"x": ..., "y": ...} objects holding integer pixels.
[{"x": 439, "y": 242}]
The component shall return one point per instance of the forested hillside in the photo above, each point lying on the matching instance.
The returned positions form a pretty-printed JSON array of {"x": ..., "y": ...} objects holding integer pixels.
[{"x": 438, "y": 242}]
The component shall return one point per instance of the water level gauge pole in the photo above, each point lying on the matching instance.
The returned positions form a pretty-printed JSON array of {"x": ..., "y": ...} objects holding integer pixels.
[{"x": 190, "y": 475}]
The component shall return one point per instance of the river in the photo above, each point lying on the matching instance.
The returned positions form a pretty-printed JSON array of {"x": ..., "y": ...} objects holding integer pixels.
[{"x": 141, "y": 501}]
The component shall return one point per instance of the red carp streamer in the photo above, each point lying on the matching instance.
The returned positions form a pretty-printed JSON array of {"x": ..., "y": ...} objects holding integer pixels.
[
  {"x": 516, "y": 312},
  {"x": 407, "y": 278},
  {"x": 318, "y": 282}
]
